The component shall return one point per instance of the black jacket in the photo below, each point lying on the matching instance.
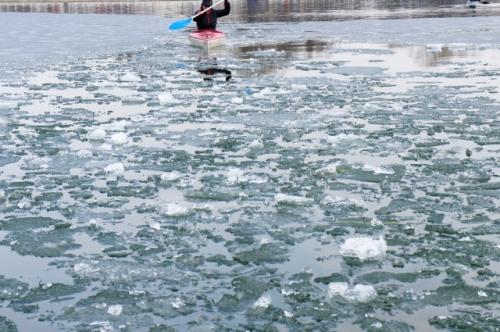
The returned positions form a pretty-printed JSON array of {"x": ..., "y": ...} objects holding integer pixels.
[{"x": 209, "y": 19}]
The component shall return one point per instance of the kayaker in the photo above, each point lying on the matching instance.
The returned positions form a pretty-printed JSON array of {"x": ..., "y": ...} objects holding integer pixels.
[{"x": 209, "y": 19}]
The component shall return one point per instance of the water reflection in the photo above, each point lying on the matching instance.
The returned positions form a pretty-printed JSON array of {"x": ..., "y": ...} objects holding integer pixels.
[
  {"x": 428, "y": 57},
  {"x": 269, "y": 10},
  {"x": 210, "y": 70}
]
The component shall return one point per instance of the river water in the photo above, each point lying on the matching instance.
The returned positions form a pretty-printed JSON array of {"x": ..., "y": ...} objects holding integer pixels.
[{"x": 318, "y": 173}]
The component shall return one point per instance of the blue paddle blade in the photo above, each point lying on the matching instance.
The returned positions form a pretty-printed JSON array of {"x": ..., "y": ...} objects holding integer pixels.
[{"x": 180, "y": 24}]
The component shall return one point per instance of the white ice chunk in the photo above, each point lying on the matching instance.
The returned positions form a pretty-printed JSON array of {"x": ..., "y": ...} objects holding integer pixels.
[
  {"x": 97, "y": 134},
  {"x": 378, "y": 170},
  {"x": 106, "y": 147},
  {"x": 116, "y": 168},
  {"x": 119, "y": 138},
  {"x": 155, "y": 226},
  {"x": 482, "y": 293},
  {"x": 175, "y": 210},
  {"x": 287, "y": 314},
  {"x": 358, "y": 293},
  {"x": 337, "y": 288},
  {"x": 115, "y": 309},
  {"x": 343, "y": 201},
  {"x": 364, "y": 248},
  {"x": 166, "y": 98},
  {"x": 2, "y": 194},
  {"x": 130, "y": 77},
  {"x": 84, "y": 153},
  {"x": 178, "y": 303},
  {"x": 7, "y": 105},
  {"x": 262, "y": 302},
  {"x": 234, "y": 175},
  {"x": 237, "y": 100},
  {"x": 289, "y": 199},
  {"x": 361, "y": 293},
  {"x": 170, "y": 176},
  {"x": 84, "y": 268}
]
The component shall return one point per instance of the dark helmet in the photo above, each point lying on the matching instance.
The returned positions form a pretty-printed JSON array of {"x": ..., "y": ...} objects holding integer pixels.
[{"x": 206, "y": 3}]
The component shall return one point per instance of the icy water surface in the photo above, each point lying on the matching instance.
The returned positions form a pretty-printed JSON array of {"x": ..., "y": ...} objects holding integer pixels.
[{"x": 303, "y": 182}]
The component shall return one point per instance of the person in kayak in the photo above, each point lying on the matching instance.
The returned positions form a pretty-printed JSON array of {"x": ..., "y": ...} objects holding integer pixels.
[{"x": 209, "y": 19}]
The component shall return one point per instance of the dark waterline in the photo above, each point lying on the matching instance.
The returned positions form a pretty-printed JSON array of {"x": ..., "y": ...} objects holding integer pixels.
[{"x": 271, "y": 10}]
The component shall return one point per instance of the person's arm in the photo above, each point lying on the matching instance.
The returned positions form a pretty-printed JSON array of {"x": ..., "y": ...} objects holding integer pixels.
[
  {"x": 197, "y": 18},
  {"x": 225, "y": 11}
]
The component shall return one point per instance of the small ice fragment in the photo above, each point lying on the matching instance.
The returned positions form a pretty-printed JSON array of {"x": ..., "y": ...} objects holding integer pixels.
[
  {"x": 155, "y": 225},
  {"x": 84, "y": 153},
  {"x": 361, "y": 293},
  {"x": 7, "y": 105},
  {"x": 263, "y": 302},
  {"x": 119, "y": 138},
  {"x": 287, "y": 314},
  {"x": 255, "y": 144},
  {"x": 265, "y": 240},
  {"x": 289, "y": 199},
  {"x": 378, "y": 170},
  {"x": 97, "y": 134},
  {"x": 130, "y": 77},
  {"x": 363, "y": 248},
  {"x": 376, "y": 222},
  {"x": 237, "y": 100},
  {"x": 84, "y": 268},
  {"x": 299, "y": 87},
  {"x": 166, "y": 98},
  {"x": 337, "y": 288},
  {"x": 482, "y": 293},
  {"x": 377, "y": 325},
  {"x": 465, "y": 239},
  {"x": 178, "y": 303},
  {"x": 2, "y": 194},
  {"x": 175, "y": 210},
  {"x": 116, "y": 168},
  {"x": 234, "y": 175},
  {"x": 106, "y": 147},
  {"x": 170, "y": 176},
  {"x": 115, "y": 309}
]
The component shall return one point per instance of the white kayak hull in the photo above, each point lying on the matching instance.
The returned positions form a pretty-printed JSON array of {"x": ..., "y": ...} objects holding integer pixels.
[{"x": 207, "y": 39}]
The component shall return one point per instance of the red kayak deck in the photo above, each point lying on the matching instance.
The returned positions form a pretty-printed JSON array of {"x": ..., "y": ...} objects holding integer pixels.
[{"x": 207, "y": 38}]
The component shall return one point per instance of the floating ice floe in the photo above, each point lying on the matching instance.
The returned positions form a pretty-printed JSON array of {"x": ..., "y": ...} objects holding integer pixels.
[
  {"x": 263, "y": 302},
  {"x": 155, "y": 226},
  {"x": 364, "y": 248},
  {"x": 115, "y": 309},
  {"x": 119, "y": 138},
  {"x": 237, "y": 100},
  {"x": 255, "y": 144},
  {"x": 329, "y": 169},
  {"x": 166, "y": 98},
  {"x": 289, "y": 199},
  {"x": 358, "y": 293},
  {"x": 170, "y": 176},
  {"x": 97, "y": 134},
  {"x": 378, "y": 170},
  {"x": 178, "y": 303},
  {"x": 175, "y": 210},
  {"x": 7, "y": 105},
  {"x": 343, "y": 201},
  {"x": 84, "y": 269},
  {"x": 2, "y": 194},
  {"x": 106, "y": 147},
  {"x": 115, "y": 168},
  {"x": 130, "y": 77},
  {"x": 84, "y": 153}
]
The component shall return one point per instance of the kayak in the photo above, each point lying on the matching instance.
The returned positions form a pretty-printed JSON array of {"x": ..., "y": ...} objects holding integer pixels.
[
  {"x": 207, "y": 39},
  {"x": 474, "y": 3}
]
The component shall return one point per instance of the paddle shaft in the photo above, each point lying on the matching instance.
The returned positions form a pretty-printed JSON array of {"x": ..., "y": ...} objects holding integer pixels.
[{"x": 207, "y": 9}]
